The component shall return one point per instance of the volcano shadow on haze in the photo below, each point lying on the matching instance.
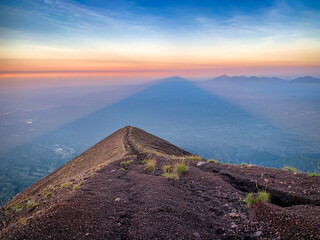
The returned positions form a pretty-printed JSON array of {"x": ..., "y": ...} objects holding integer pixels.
[{"x": 173, "y": 109}]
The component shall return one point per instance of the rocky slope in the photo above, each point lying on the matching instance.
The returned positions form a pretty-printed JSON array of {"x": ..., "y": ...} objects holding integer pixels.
[{"x": 106, "y": 193}]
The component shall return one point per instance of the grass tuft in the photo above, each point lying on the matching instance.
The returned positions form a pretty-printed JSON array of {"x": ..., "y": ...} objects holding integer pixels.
[
  {"x": 172, "y": 175},
  {"x": 314, "y": 174},
  {"x": 167, "y": 169},
  {"x": 75, "y": 187},
  {"x": 180, "y": 168},
  {"x": 244, "y": 165},
  {"x": 291, "y": 169},
  {"x": 150, "y": 165},
  {"x": 125, "y": 163},
  {"x": 48, "y": 194},
  {"x": 31, "y": 204},
  {"x": 17, "y": 207},
  {"x": 212, "y": 161},
  {"x": 65, "y": 185},
  {"x": 258, "y": 198},
  {"x": 22, "y": 221},
  {"x": 194, "y": 157}
]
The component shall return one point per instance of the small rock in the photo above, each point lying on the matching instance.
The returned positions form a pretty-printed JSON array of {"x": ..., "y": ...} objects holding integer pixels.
[
  {"x": 250, "y": 165},
  {"x": 113, "y": 170},
  {"x": 119, "y": 224},
  {"x": 12, "y": 225},
  {"x": 117, "y": 199},
  {"x": 197, "y": 235},
  {"x": 233, "y": 226},
  {"x": 87, "y": 234},
  {"x": 258, "y": 234},
  {"x": 232, "y": 214},
  {"x": 200, "y": 164}
]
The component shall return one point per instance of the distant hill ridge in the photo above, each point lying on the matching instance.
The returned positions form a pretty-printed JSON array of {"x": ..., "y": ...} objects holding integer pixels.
[
  {"x": 306, "y": 79},
  {"x": 117, "y": 190}
]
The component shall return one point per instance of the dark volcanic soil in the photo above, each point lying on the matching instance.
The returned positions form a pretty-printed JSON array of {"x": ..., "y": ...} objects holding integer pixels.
[{"x": 127, "y": 202}]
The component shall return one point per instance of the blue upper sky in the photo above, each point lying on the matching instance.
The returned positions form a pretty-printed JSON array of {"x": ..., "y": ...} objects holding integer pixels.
[{"x": 268, "y": 33}]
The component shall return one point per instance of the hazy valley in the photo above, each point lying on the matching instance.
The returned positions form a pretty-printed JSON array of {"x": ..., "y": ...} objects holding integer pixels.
[{"x": 237, "y": 120}]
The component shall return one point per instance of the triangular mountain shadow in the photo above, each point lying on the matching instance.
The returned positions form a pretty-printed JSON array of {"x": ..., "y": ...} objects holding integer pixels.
[{"x": 174, "y": 109}]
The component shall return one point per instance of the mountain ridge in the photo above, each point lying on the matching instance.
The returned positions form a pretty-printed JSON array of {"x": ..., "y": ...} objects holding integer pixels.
[
  {"x": 109, "y": 194},
  {"x": 256, "y": 79}
]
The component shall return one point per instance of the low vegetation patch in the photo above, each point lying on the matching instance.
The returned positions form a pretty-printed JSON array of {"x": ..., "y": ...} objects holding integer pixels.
[
  {"x": 172, "y": 175},
  {"x": 314, "y": 174},
  {"x": 291, "y": 169},
  {"x": 31, "y": 204},
  {"x": 212, "y": 161},
  {"x": 75, "y": 187},
  {"x": 194, "y": 157},
  {"x": 167, "y": 168},
  {"x": 48, "y": 194},
  {"x": 125, "y": 163},
  {"x": 180, "y": 168},
  {"x": 22, "y": 221},
  {"x": 257, "y": 198},
  {"x": 17, "y": 207},
  {"x": 150, "y": 165},
  {"x": 65, "y": 185},
  {"x": 244, "y": 165}
]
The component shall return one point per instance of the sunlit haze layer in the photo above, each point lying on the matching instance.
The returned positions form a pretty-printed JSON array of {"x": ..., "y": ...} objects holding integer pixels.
[{"x": 153, "y": 39}]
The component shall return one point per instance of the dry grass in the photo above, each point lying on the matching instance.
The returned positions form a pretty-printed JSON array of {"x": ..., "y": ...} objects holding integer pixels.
[
  {"x": 194, "y": 157},
  {"x": 65, "y": 185},
  {"x": 31, "y": 204},
  {"x": 212, "y": 161},
  {"x": 75, "y": 187},
  {"x": 180, "y": 167},
  {"x": 150, "y": 165},
  {"x": 291, "y": 169}
]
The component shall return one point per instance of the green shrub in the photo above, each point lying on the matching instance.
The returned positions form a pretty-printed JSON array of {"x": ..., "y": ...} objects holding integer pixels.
[
  {"x": 263, "y": 197},
  {"x": 244, "y": 165},
  {"x": 180, "y": 168},
  {"x": 121, "y": 169},
  {"x": 65, "y": 185},
  {"x": 213, "y": 161},
  {"x": 150, "y": 165},
  {"x": 75, "y": 187},
  {"x": 291, "y": 169},
  {"x": 260, "y": 197}
]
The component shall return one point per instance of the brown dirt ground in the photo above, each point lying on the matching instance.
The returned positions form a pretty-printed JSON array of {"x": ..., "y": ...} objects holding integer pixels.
[{"x": 127, "y": 202}]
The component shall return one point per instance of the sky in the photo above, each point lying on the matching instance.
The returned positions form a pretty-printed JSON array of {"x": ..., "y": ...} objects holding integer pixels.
[{"x": 143, "y": 39}]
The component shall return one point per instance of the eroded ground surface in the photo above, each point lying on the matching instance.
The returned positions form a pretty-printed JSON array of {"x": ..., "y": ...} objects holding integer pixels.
[{"x": 125, "y": 201}]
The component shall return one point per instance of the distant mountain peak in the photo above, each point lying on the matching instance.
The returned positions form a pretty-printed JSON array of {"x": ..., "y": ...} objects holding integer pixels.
[
  {"x": 306, "y": 79},
  {"x": 242, "y": 78},
  {"x": 172, "y": 79}
]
